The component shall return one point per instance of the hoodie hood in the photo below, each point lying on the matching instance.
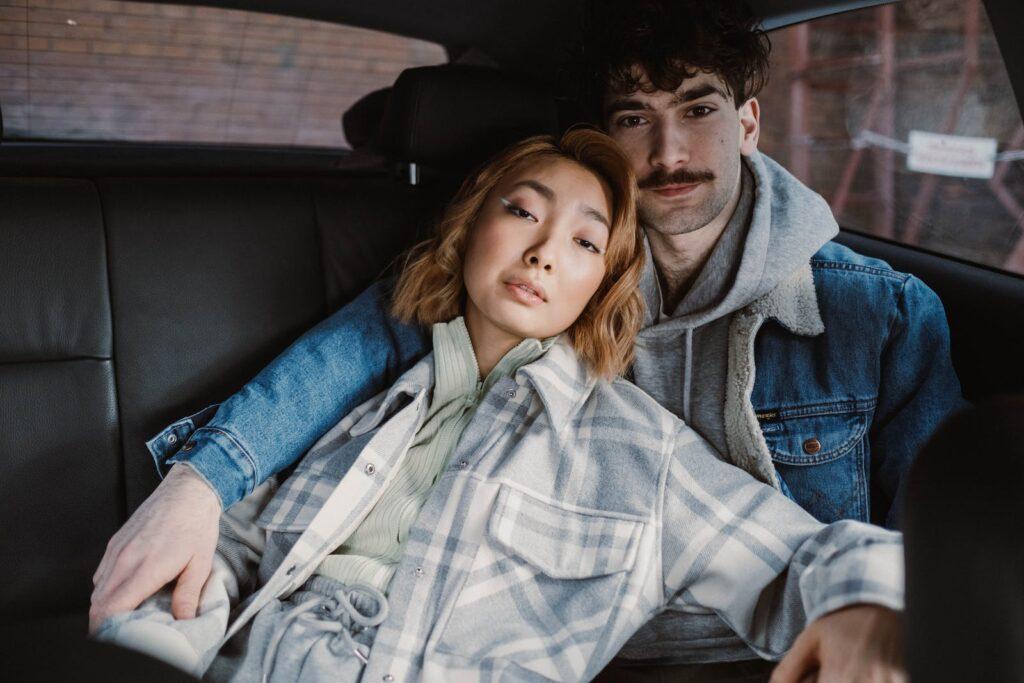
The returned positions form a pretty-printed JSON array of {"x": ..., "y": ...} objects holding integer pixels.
[{"x": 788, "y": 224}]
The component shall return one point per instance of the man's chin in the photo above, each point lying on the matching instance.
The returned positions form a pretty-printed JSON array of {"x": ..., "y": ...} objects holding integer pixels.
[{"x": 675, "y": 222}]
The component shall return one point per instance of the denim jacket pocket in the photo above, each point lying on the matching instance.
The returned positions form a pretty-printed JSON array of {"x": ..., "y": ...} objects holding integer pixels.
[
  {"x": 821, "y": 457},
  {"x": 544, "y": 562}
]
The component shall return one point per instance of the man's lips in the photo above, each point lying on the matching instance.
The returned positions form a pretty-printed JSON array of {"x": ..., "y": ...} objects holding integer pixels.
[
  {"x": 675, "y": 190},
  {"x": 526, "y": 292}
]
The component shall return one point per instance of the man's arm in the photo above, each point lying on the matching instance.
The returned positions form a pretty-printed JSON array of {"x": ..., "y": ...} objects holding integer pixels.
[
  {"x": 256, "y": 433},
  {"x": 768, "y": 569},
  {"x": 266, "y": 426},
  {"x": 918, "y": 391}
]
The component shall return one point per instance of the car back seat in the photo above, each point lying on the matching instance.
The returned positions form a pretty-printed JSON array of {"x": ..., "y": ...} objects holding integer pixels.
[{"x": 127, "y": 302}]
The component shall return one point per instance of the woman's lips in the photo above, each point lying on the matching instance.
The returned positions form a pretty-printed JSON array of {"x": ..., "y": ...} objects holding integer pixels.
[
  {"x": 523, "y": 294},
  {"x": 671, "y": 191}
]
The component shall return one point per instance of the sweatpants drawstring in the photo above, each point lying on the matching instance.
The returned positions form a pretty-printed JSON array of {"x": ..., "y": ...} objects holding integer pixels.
[{"x": 337, "y": 614}]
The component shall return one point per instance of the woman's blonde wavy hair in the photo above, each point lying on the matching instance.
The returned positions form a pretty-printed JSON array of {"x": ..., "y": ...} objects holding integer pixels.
[{"x": 431, "y": 287}]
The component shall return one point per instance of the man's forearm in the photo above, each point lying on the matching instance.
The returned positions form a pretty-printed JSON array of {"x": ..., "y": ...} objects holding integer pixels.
[{"x": 280, "y": 413}]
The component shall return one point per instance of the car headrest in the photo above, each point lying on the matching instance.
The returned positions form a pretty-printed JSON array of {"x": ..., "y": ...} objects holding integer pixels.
[
  {"x": 361, "y": 122},
  {"x": 455, "y": 116}
]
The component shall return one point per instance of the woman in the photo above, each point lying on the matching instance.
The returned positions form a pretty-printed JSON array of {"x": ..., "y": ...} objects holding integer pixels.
[{"x": 510, "y": 508}]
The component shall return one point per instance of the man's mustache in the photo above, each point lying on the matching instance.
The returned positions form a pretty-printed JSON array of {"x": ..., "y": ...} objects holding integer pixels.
[{"x": 682, "y": 176}]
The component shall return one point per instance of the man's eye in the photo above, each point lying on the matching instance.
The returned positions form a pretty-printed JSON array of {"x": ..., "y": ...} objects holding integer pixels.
[
  {"x": 630, "y": 121},
  {"x": 700, "y": 111},
  {"x": 588, "y": 245},
  {"x": 518, "y": 211}
]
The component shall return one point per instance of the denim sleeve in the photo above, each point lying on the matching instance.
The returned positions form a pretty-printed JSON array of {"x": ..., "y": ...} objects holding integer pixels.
[
  {"x": 349, "y": 357},
  {"x": 919, "y": 389}
]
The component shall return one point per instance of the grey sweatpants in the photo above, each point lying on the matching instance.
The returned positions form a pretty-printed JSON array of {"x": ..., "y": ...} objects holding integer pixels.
[{"x": 316, "y": 633}]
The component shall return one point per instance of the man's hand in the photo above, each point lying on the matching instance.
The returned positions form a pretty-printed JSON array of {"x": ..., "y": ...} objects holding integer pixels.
[
  {"x": 857, "y": 643},
  {"x": 173, "y": 535}
]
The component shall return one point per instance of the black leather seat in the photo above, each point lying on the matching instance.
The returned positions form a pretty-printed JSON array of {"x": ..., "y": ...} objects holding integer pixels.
[{"x": 128, "y": 302}]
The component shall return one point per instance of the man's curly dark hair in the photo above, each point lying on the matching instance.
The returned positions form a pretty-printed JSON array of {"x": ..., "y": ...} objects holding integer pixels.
[{"x": 672, "y": 40}]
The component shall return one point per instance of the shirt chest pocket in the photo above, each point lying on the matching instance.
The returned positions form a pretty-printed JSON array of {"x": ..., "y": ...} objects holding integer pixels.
[
  {"x": 822, "y": 459},
  {"x": 542, "y": 574}
]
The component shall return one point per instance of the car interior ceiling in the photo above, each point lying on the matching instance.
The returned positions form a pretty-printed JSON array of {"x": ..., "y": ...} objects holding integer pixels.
[{"x": 144, "y": 282}]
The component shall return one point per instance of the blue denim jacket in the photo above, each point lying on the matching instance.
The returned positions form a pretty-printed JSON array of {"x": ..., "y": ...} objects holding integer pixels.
[{"x": 843, "y": 413}]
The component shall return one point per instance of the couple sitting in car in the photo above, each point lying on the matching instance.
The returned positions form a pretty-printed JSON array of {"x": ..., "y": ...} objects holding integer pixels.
[{"x": 508, "y": 507}]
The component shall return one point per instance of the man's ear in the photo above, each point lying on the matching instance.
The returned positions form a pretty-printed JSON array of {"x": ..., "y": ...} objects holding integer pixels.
[{"x": 750, "y": 126}]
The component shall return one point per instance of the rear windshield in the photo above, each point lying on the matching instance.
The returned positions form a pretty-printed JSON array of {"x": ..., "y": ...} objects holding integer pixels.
[{"x": 100, "y": 70}]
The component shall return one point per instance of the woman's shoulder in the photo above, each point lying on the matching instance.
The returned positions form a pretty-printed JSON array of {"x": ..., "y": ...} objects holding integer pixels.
[{"x": 631, "y": 404}]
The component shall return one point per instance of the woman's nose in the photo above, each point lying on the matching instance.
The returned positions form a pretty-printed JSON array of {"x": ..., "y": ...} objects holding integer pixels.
[{"x": 540, "y": 256}]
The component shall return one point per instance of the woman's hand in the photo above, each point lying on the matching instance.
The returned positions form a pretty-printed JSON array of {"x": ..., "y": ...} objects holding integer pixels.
[
  {"x": 172, "y": 536},
  {"x": 857, "y": 643}
]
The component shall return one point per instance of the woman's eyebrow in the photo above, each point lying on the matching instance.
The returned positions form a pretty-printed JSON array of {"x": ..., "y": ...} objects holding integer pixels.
[
  {"x": 549, "y": 194},
  {"x": 538, "y": 187},
  {"x": 595, "y": 214}
]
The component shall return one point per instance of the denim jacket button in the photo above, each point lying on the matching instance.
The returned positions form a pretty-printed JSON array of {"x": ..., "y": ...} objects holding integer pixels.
[
  {"x": 812, "y": 446},
  {"x": 369, "y": 469},
  {"x": 189, "y": 445},
  {"x": 172, "y": 439}
]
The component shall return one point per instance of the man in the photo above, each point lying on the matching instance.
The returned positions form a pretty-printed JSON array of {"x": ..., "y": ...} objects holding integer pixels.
[{"x": 817, "y": 370}]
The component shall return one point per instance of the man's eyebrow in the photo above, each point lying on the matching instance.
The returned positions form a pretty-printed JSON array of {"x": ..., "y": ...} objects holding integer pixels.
[
  {"x": 595, "y": 214},
  {"x": 697, "y": 93},
  {"x": 625, "y": 104},
  {"x": 538, "y": 187}
]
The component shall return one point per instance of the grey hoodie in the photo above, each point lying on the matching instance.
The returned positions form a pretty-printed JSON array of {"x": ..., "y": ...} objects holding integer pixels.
[{"x": 682, "y": 357}]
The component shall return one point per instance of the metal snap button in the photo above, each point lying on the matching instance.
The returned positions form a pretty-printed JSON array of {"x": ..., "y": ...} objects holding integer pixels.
[
  {"x": 419, "y": 571},
  {"x": 812, "y": 446},
  {"x": 463, "y": 464},
  {"x": 369, "y": 469},
  {"x": 511, "y": 393},
  {"x": 172, "y": 439}
]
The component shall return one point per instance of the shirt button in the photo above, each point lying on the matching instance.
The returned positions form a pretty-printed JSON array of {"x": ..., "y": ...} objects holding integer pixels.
[
  {"x": 812, "y": 446},
  {"x": 369, "y": 469},
  {"x": 511, "y": 393},
  {"x": 388, "y": 678},
  {"x": 419, "y": 571},
  {"x": 172, "y": 439},
  {"x": 463, "y": 464}
]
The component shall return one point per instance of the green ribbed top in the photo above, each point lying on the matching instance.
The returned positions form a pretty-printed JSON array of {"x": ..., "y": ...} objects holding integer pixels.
[{"x": 371, "y": 554}]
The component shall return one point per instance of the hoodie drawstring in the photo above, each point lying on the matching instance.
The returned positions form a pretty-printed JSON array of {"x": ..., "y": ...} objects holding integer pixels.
[{"x": 686, "y": 376}]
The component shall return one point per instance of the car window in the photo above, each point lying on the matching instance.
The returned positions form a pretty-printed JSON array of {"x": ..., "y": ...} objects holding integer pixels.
[
  {"x": 904, "y": 119},
  {"x": 99, "y": 70}
]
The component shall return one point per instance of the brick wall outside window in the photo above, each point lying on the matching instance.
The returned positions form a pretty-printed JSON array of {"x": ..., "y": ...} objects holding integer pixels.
[{"x": 103, "y": 70}]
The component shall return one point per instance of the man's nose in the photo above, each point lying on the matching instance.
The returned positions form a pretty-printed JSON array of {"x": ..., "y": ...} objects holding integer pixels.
[{"x": 669, "y": 146}]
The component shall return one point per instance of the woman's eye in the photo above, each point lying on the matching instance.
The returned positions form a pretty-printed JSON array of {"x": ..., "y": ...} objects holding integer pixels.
[
  {"x": 630, "y": 121},
  {"x": 588, "y": 245},
  {"x": 518, "y": 211}
]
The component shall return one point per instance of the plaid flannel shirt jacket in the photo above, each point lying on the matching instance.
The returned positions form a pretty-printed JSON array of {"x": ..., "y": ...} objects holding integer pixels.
[{"x": 571, "y": 512}]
